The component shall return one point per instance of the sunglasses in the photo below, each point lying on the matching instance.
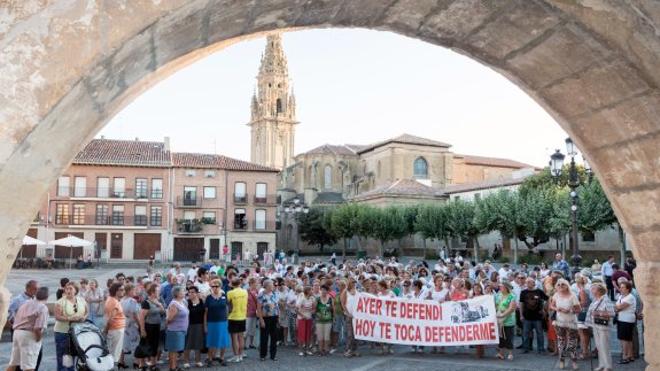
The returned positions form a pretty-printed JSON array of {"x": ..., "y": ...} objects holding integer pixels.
[
  {"x": 75, "y": 308},
  {"x": 215, "y": 286}
]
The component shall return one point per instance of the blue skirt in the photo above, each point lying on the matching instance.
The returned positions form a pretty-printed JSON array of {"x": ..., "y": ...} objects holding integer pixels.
[
  {"x": 217, "y": 335},
  {"x": 175, "y": 341}
]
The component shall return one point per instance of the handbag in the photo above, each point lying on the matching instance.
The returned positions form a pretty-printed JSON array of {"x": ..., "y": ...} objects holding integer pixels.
[{"x": 600, "y": 320}]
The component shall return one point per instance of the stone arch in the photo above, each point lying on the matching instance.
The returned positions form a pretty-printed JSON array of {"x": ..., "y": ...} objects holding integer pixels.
[{"x": 67, "y": 68}]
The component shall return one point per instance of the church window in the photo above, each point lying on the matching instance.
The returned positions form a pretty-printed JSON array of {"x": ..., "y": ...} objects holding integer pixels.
[
  {"x": 278, "y": 105},
  {"x": 421, "y": 168},
  {"x": 327, "y": 177}
]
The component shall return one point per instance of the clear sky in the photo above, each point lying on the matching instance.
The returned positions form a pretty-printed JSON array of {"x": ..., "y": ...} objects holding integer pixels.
[{"x": 351, "y": 86}]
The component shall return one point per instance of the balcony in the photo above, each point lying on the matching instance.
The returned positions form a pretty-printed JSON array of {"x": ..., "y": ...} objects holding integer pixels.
[
  {"x": 89, "y": 192},
  {"x": 188, "y": 202},
  {"x": 240, "y": 199},
  {"x": 189, "y": 226},
  {"x": 254, "y": 226},
  {"x": 118, "y": 220},
  {"x": 265, "y": 200}
]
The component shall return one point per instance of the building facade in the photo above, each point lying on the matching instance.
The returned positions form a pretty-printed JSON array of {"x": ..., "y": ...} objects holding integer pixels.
[{"x": 137, "y": 200}]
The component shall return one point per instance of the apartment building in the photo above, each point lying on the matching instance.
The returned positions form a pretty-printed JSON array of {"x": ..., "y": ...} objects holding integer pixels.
[
  {"x": 222, "y": 205},
  {"x": 137, "y": 199}
]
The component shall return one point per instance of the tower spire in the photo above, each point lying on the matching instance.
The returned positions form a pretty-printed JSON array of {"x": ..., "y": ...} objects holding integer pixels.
[{"x": 273, "y": 109}]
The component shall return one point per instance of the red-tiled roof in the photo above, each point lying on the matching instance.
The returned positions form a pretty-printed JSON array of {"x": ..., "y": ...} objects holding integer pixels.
[
  {"x": 123, "y": 152},
  {"x": 209, "y": 161},
  {"x": 406, "y": 139},
  {"x": 487, "y": 184},
  {"x": 332, "y": 149},
  {"x": 494, "y": 161}
]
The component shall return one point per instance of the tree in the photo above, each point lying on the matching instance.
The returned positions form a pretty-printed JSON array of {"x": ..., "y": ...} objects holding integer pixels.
[
  {"x": 535, "y": 212},
  {"x": 431, "y": 223},
  {"x": 499, "y": 212},
  {"x": 594, "y": 209},
  {"x": 344, "y": 223},
  {"x": 461, "y": 223},
  {"x": 315, "y": 227}
]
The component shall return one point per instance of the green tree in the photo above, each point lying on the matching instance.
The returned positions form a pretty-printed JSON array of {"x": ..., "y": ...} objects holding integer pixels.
[
  {"x": 431, "y": 223},
  {"x": 536, "y": 210},
  {"x": 344, "y": 223},
  {"x": 499, "y": 212},
  {"x": 461, "y": 222},
  {"x": 315, "y": 227}
]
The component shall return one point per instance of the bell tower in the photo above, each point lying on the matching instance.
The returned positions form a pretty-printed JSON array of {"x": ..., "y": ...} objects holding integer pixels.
[{"x": 273, "y": 107}]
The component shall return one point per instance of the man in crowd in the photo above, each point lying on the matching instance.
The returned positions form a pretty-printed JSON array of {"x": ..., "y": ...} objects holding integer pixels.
[
  {"x": 607, "y": 271},
  {"x": 561, "y": 265},
  {"x": 30, "y": 290},
  {"x": 29, "y": 326},
  {"x": 532, "y": 300}
]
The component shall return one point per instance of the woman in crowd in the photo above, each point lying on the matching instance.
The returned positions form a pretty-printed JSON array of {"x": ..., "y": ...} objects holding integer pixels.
[
  {"x": 283, "y": 319},
  {"x": 599, "y": 316},
  {"x": 151, "y": 314},
  {"x": 251, "y": 322},
  {"x": 323, "y": 312},
  {"x": 477, "y": 290},
  {"x": 131, "y": 310},
  {"x": 566, "y": 304},
  {"x": 215, "y": 324},
  {"x": 584, "y": 333},
  {"x": 292, "y": 310},
  {"x": 305, "y": 307},
  {"x": 268, "y": 312},
  {"x": 505, "y": 305},
  {"x": 626, "y": 319},
  {"x": 70, "y": 308},
  {"x": 347, "y": 298},
  {"x": 458, "y": 291},
  {"x": 177, "y": 326},
  {"x": 195, "y": 334},
  {"x": 94, "y": 298},
  {"x": 115, "y": 323}
]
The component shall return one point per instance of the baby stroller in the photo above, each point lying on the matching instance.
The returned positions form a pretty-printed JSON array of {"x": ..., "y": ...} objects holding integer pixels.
[{"x": 89, "y": 347}]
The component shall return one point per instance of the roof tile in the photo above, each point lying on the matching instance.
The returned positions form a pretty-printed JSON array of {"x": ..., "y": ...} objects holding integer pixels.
[
  {"x": 210, "y": 161},
  {"x": 123, "y": 152}
]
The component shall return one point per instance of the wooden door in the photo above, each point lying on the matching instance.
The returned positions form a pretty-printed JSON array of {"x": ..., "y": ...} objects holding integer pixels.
[
  {"x": 145, "y": 245},
  {"x": 187, "y": 249},
  {"x": 101, "y": 243},
  {"x": 117, "y": 246},
  {"x": 65, "y": 252},
  {"x": 262, "y": 247},
  {"x": 214, "y": 251},
  {"x": 29, "y": 251},
  {"x": 237, "y": 250}
]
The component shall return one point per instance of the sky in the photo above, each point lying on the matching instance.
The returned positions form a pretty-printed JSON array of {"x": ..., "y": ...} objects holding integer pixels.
[{"x": 351, "y": 86}]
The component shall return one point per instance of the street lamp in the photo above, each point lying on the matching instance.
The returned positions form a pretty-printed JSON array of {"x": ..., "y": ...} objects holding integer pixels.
[
  {"x": 556, "y": 167},
  {"x": 292, "y": 209}
]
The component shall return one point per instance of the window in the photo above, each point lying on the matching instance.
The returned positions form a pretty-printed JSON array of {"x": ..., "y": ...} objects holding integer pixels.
[
  {"x": 140, "y": 188},
  {"x": 189, "y": 196},
  {"x": 120, "y": 188},
  {"x": 327, "y": 177},
  {"x": 156, "y": 216},
  {"x": 588, "y": 236},
  {"x": 78, "y": 214},
  {"x": 239, "y": 192},
  {"x": 278, "y": 105},
  {"x": 102, "y": 214},
  {"x": 260, "y": 193},
  {"x": 140, "y": 215},
  {"x": 260, "y": 219},
  {"x": 208, "y": 217},
  {"x": 209, "y": 192},
  {"x": 157, "y": 188},
  {"x": 209, "y": 173},
  {"x": 63, "y": 186},
  {"x": 62, "y": 214},
  {"x": 421, "y": 169},
  {"x": 103, "y": 187},
  {"x": 117, "y": 214},
  {"x": 240, "y": 220},
  {"x": 80, "y": 186},
  {"x": 189, "y": 215},
  {"x": 191, "y": 173}
]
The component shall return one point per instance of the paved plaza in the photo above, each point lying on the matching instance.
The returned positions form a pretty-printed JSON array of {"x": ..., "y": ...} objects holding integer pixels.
[{"x": 459, "y": 358}]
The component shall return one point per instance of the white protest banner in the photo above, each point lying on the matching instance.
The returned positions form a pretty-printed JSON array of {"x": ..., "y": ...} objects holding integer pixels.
[{"x": 425, "y": 322}]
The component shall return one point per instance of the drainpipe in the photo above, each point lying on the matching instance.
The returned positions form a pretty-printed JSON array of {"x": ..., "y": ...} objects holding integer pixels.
[
  {"x": 225, "y": 221},
  {"x": 170, "y": 181}
]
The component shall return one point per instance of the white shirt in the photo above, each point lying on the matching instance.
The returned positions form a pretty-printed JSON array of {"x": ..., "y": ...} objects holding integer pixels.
[
  {"x": 504, "y": 273},
  {"x": 192, "y": 274},
  {"x": 628, "y": 314},
  {"x": 606, "y": 269}
]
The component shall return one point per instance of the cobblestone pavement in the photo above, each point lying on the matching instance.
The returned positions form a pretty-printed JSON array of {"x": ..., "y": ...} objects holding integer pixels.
[{"x": 454, "y": 359}]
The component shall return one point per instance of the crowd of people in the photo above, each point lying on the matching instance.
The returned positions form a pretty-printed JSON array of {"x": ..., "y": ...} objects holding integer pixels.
[{"x": 210, "y": 314}]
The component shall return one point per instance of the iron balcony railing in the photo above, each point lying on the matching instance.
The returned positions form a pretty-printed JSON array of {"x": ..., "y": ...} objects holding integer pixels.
[{"x": 127, "y": 193}]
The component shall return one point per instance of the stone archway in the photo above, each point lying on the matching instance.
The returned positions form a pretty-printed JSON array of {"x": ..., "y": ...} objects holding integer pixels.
[{"x": 67, "y": 66}]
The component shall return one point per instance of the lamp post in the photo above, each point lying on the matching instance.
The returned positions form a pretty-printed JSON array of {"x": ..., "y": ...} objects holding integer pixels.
[
  {"x": 556, "y": 167},
  {"x": 292, "y": 209}
]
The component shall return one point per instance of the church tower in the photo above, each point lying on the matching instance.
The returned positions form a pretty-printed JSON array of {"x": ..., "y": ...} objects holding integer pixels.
[{"x": 273, "y": 118}]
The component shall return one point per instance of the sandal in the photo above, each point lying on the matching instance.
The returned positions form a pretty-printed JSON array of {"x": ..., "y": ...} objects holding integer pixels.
[{"x": 500, "y": 356}]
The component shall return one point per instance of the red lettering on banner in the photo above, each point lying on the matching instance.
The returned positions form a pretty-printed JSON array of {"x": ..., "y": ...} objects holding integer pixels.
[
  {"x": 408, "y": 332},
  {"x": 421, "y": 311},
  {"x": 364, "y": 327},
  {"x": 369, "y": 305}
]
